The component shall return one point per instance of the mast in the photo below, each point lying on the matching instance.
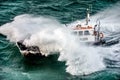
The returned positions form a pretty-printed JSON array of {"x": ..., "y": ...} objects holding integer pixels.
[
  {"x": 98, "y": 31},
  {"x": 88, "y": 16}
]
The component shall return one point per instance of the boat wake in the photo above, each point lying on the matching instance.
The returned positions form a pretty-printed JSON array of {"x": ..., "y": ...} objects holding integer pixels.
[{"x": 51, "y": 36}]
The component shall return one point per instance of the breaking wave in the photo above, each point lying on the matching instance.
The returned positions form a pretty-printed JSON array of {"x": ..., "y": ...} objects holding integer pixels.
[
  {"x": 51, "y": 36},
  {"x": 40, "y": 31}
]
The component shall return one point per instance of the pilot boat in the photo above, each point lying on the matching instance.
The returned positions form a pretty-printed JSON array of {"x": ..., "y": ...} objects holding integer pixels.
[{"x": 87, "y": 33}]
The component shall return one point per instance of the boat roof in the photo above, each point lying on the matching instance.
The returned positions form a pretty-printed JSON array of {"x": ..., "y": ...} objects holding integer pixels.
[{"x": 84, "y": 27}]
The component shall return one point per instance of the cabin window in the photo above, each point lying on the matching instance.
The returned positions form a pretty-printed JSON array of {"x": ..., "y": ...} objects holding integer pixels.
[
  {"x": 75, "y": 32},
  {"x": 80, "y": 33},
  {"x": 86, "y": 32}
]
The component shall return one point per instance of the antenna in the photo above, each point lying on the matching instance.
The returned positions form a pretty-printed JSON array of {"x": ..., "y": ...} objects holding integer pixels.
[
  {"x": 98, "y": 31},
  {"x": 88, "y": 16}
]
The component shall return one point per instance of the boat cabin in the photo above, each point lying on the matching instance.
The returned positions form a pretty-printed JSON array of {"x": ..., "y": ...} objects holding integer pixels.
[
  {"x": 88, "y": 33},
  {"x": 85, "y": 34}
]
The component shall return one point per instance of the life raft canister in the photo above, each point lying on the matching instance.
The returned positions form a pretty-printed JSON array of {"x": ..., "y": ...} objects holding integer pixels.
[{"x": 101, "y": 35}]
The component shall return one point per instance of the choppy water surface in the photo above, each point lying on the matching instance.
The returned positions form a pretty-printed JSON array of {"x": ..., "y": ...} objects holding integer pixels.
[{"x": 44, "y": 19}]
